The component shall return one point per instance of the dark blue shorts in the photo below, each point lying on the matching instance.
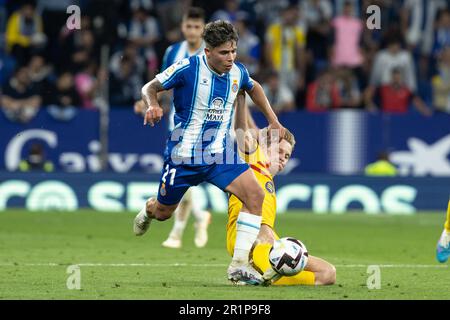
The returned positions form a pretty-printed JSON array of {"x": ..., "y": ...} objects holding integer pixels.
[{"x": 177, "y": 178}]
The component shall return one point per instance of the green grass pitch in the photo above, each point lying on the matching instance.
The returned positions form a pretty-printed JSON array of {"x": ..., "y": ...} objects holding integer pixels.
[{"x": 37, "y": 248}]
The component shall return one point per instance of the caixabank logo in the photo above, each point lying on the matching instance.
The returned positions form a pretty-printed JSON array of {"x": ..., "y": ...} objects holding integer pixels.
[{"x": 75, "y": 160}]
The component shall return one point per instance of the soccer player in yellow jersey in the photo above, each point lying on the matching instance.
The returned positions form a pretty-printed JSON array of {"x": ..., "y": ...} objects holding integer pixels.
[
  {"x": 266, "y": 159},
  {"x": 443, "y": 246}
]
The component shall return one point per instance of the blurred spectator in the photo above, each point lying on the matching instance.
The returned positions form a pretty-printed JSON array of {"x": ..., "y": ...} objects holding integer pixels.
[
  {"x": 229, "y": 12},
  {"x": 279, "y": 95},
  {"x": 284, "y": 50},
  {"x": 441, "y": 83},
  {"x": 3, "y": 17},
  {"x": 144, "y": 33},
  {"x": 249, "y": 48},
  {"x": 348, "y": 88},
  {"x": 124, "y": 85},
  {"x": 382, "y": 167},
  {"x": 393, "y": 57},
  {"x": 7, "y": 67},
  {"x": 80, "y": 44},
  {"x": 84, "y": 50},
  {"x": 88, "y": 84},
  {"x": 323, "y": 94},
  {"x": 396, "y": 96},
  {"x": 40, "y": 72},
  {"x": 339, "y": 7},
  {"x": 417, "y": 20},
  {"x": 170, "y": 14},
  {"x": 317, "y": 16},
  {"x": 62, "y": 98},
  {"x": 442, "y": 33},
  {"x": 36, "y": 160},
  {"x": 20, "y": 100},
  {"x": 347, "y": 37},
  {"x": 24, "y": 33},
  {"x": 54, "y": 16},
  {"x": 130, "y": 51}
]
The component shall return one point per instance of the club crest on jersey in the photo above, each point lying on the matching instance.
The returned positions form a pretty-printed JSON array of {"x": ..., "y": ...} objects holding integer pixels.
[
  {"x": 162, "y": 190},
  {"x": 270, "y": 187},
  {"x": 235, "y": 86},
  {"x": 216, "y": 110}
]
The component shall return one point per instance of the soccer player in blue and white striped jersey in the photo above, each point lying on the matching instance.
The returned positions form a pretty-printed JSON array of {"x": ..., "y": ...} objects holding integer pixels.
[
  {"x": 199, "y": 148},
  {"x": 192, "y": 27}
]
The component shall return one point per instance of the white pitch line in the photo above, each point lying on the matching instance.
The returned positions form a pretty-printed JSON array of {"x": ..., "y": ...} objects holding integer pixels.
[{"x": 207, "y": 265}]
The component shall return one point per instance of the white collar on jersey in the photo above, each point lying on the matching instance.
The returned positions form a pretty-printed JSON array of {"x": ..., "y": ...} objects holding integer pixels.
[{"x": 210, "y": 69}]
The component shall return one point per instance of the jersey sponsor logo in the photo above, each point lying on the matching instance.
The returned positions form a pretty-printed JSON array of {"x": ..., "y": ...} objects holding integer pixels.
[
  {"x": 270, "y": 187},
  {"x": 216, "y": 110}
]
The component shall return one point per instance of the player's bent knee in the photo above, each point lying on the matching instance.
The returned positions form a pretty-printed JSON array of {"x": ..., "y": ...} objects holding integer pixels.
[{"x": 163, "y": 212}]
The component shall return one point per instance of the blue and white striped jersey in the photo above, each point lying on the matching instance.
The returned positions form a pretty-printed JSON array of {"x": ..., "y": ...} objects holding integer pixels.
[
  {"x": 203, "y": 103},
  {"x": 175, "y": 53}
]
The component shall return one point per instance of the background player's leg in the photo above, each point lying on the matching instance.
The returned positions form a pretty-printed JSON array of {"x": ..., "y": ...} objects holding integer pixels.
[
  {"x": 443, "y": 246},
  {"x": 247, "y": 189},
  {"x": 181, "y": 216},
  {"x": 202, "y": 221}
]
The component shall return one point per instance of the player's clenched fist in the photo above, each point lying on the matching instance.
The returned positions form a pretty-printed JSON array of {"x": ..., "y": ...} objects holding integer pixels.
[
  {"x": 153, "y": 115},
  {"x": 276, "y": 126}
]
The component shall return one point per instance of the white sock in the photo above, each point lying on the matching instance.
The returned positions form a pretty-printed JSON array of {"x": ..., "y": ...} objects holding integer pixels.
[
  {"x": 179, "y": 225},
  {"x": 247, "y": 227},
  {"x": 199, "y": 215},
  {"x": 445, "y": 239}
]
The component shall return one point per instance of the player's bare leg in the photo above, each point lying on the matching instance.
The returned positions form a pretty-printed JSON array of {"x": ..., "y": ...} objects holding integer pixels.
[
  {"x": 317, "y": 271},
  {"x": 181, "y": 216},
  {"x": 202, "y": 222},
  {"x": 247, "y": 189},
  {"x": 153, "y": 209}
]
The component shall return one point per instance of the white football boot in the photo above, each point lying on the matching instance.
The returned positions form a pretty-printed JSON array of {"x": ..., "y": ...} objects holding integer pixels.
[
  {"x": 244, "y": 274},
  {"x": 142, "y": 221},
  {"x": 172, "y": 243}
]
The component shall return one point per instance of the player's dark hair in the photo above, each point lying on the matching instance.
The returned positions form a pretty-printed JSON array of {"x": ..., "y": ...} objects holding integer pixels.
[
  {"x": 219, "y": 32},
  {"x": 194, "y": 13}
]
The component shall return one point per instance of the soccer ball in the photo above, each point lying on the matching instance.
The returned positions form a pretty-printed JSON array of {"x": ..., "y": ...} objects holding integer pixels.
[{"x": 288, "y": 256}]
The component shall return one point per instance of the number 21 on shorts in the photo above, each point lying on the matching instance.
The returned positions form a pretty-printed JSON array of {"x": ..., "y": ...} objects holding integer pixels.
[{"x": 172, "y": 173}]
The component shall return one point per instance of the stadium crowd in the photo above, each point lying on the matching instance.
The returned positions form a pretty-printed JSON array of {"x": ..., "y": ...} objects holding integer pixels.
[{"x": 308, "y": 54}]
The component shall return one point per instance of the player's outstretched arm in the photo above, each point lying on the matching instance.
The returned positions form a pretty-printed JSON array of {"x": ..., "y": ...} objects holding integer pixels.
[
  {"x": 154, "y": 111},
  {"x": 260, "y": 100},
  {"x": 324, "y": 272},
  {"x": 244, "y": 126}
]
